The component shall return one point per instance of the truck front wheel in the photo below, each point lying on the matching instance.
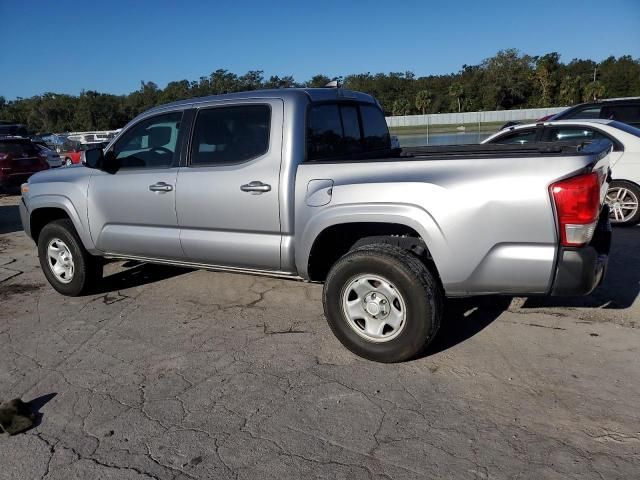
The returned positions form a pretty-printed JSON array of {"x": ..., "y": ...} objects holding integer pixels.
[
  {"x": 382, "y": 303},
  {"x": 69, "y": 268}
]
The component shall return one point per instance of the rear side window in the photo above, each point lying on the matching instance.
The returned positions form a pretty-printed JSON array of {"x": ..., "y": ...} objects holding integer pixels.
[
  {"x": 13, "y": 130},
  {"x": 338, "y": 130},
  {"x": 622, "y": 113},
  {"x": 573, "y": 134},
  {"x": 517, "y": 138},
  {"x": 226, "y": 135},
  {"x": 18, "y": 148}
]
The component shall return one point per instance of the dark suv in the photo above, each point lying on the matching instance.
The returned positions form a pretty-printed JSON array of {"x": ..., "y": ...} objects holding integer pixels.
[
  {"x": 19, "y": 159},
  {"x": 626, "y": 110}
]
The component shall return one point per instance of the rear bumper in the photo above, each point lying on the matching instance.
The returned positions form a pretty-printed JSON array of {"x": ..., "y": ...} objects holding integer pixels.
[{"x": 581, "y": 270}]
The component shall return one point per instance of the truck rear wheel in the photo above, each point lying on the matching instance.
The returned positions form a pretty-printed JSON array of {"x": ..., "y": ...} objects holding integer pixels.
[
  {"x": 382, "y": 303},
  {"x": 68, "y": 267}
]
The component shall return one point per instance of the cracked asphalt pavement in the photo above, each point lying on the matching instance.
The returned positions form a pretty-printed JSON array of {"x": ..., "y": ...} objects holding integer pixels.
[{"x": 176, "y": 374}]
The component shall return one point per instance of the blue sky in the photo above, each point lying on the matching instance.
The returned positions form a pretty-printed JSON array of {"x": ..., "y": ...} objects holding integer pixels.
[{"x": 66, "y": 46}]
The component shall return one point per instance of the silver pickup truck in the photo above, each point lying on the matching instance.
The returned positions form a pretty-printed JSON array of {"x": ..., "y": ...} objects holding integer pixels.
[{"x": 305, "y": 184}]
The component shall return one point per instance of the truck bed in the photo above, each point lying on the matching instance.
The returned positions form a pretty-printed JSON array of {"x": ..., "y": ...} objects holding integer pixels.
[
  {"x": 473, "y": 151},
  {"x": 484, "y": 211}
]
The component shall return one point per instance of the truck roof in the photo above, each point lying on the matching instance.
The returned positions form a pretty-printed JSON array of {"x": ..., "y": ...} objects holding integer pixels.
[{"x": 292, "y": 94}]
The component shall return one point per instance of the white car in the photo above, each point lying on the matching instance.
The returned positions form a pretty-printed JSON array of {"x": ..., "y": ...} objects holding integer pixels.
[
  {"x": 624, "y": 191},
  {"x": 53, "y": 159}
]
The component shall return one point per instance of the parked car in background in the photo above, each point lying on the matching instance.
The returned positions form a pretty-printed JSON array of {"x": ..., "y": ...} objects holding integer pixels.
[
  {"x": 72, "y": 152},
  {"x": 623, "y": 195},
  {"x": 626, "y": 110},
  {"x": 53, "y": 158},
  {"x": 304, "y": 184},
  {"x": 19, "y": 159}
]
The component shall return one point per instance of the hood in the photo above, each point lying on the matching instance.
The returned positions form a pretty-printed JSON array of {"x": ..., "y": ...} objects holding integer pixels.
[{"x": 71, "y": 174}]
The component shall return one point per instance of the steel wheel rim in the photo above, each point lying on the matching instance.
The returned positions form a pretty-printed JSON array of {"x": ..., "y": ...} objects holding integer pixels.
[
  {"x": 374, "y": 308},
  {"x": 60, "y": 260},
  {"x": 623, "y": 204}
]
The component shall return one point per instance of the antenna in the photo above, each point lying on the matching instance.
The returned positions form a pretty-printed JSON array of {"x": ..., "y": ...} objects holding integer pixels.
[{"x": 333, "y": 84}]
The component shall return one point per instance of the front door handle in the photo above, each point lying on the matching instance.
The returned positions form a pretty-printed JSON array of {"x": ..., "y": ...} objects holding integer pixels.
[
  {"x": 160, "y": 187},
  {"x": 255, "y": 187}
]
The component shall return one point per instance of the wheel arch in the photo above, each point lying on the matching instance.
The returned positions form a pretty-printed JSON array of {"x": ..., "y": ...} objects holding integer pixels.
[
  {"x": 47, "y": 208},
  {"x": 334, "y": 231}
]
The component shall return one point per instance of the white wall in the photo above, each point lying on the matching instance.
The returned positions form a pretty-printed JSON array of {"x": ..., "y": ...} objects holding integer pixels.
[{"x": 471, "y": 117}]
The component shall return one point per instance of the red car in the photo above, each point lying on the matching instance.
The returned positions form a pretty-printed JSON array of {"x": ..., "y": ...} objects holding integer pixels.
[
  {"x": 71, "y": 154},
  {"x": 19, "y": 159}
]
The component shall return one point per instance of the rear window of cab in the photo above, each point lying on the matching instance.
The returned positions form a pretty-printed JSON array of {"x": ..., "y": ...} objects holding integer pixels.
[{"x": 340, "y": 130}]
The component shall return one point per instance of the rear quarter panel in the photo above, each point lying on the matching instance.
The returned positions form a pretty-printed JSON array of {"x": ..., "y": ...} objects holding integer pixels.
[{"x": 488, "y": 223}]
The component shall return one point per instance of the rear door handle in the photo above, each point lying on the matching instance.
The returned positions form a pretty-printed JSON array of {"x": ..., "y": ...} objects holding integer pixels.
[
  {"x": 160, "y": 187},
  {"x": 255, "y": 187}
]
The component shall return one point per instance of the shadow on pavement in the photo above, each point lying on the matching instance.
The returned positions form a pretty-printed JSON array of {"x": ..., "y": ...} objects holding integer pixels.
[
  {"x": 622, "y": 282},
  {"x": 10, "y": 219},
  {"x": 138, "y": 274},
  {"x": 36, "y": 404},
  {"x": 465, "y": 317}
]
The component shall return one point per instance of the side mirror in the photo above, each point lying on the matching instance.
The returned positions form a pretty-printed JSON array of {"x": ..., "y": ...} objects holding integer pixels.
[
  {"x": 96, "y": 158},
  {"x": 93, "y": 158}
]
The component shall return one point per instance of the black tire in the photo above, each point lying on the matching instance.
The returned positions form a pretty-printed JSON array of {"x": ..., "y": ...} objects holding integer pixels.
[
  {"x": 87, "y": 268},
  {"x": 634, "y": 193},
  {"x": 419, "y": 288}
]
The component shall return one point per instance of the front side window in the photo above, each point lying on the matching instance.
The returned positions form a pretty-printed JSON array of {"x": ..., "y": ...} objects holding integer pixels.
[
  {"x": 226, "y": 135},
  {"x": 151, "y": 143},
  {"x": 517, "y": 138},
  {"x": 592, "y": 111}
]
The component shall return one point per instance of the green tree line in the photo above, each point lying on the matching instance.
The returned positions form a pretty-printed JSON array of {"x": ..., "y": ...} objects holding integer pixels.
[{"x": 509, "y": 79}]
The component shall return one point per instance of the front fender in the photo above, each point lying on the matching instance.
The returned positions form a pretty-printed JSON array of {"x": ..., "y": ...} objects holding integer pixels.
[
  {"x": 63, "y": 203},
  {"x": 409, "y": 215}
]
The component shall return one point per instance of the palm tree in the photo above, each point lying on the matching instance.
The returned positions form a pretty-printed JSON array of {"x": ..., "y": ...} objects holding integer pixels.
[
  {"x": 569, "y": 90},
  {"x": 423, "y": 100},
  {"x": 457, "y": 91},
  {"x": 593, "y": 90},
  {"x": 401, "y": 107}
]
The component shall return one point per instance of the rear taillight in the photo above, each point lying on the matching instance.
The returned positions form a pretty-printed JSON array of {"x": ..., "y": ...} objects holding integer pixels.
[
  {"x": 577, "y": 203},
  {"x": 544, "y": 119}
]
